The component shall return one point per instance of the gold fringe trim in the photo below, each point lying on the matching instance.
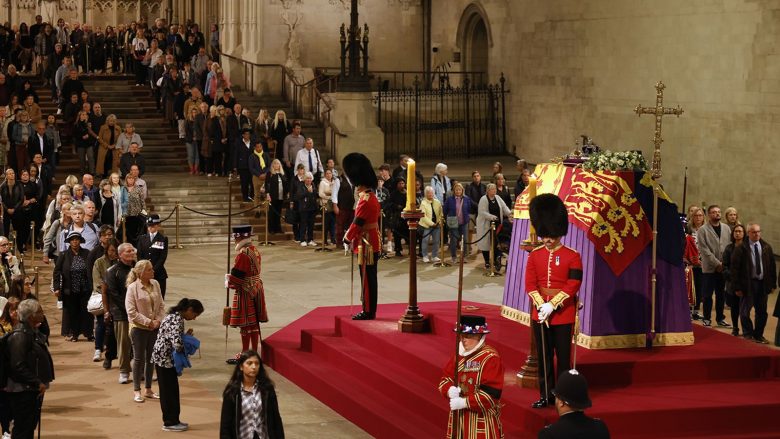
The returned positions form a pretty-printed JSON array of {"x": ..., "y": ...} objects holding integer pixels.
[{"x": 623, "y": 341}]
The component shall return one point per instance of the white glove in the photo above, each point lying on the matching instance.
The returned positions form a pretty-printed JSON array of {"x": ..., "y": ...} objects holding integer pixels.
[
  {"x": 457, "y": 403},
  {"x": 453, "y": 392},
  {"x": 545, "y": 310},
  {"x": 227, "y": 282}
]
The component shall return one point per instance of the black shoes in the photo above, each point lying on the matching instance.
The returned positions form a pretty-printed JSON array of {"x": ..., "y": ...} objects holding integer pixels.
[
  {"x": 723, "y": 324},
  {"x": 706, "y": 322},
  {"x": 761, "y": 340},
  {"x": 363, "y": 316},
  {"x": 106, "y": 364},
  {"x": 543, "y": 402}
]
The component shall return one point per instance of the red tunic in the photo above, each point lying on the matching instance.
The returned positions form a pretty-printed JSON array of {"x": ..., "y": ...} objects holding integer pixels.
[
  {"x": 560, "y": 270},
  {"x": 481, "y": 377},
  {"x": 366, "y": 222},
  {"x": 249, "y": 298}
]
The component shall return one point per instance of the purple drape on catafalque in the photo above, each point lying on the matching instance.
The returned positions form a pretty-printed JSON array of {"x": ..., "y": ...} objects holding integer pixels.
[{"x": 613, "y": 305}]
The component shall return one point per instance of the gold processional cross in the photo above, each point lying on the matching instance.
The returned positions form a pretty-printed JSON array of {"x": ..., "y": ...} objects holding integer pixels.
[{"x": 659, "y": 111}]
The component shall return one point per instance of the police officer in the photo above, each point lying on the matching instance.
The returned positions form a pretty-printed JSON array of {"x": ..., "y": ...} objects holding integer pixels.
[
  {"x": 572, "y": 399},
  {"x": 153, "y": 246}
]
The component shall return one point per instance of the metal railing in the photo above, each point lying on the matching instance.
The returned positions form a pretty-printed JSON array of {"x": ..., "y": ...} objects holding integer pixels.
[
  {"x": 404, "y": 79},
  {"x": 305, "y": 99},
  {"x": 445, "y": 122}
]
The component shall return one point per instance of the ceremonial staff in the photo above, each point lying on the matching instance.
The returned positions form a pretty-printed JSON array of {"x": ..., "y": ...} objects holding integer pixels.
[
  {"x": 659, "y": 111},
  {"x": 226, "y": 311},
  {"x": 685, "y": 192},
  {"x": 455, "y": 423}
]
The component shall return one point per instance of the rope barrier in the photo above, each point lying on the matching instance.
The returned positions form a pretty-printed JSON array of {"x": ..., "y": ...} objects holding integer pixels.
[{"x": 221, "y": 215}]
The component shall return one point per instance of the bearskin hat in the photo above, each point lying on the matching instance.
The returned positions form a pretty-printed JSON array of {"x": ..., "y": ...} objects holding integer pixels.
[
  {"x": 359, "y": 170},
  {"x": 549, "y": 216}
]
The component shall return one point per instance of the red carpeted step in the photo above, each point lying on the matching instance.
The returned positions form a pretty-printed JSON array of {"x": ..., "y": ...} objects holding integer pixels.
[
  {"x": 691, "y": 409},
  {"x": 639, "y": 393},
  {"x": 368, "y": 407}
]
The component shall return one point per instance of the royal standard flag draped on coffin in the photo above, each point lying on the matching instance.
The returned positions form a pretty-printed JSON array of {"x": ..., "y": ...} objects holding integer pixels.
[{"x": 602, "y": 204}]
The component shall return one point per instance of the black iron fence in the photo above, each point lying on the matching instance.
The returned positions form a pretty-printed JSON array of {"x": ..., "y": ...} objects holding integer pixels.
[{"x": 444, "y": 122}]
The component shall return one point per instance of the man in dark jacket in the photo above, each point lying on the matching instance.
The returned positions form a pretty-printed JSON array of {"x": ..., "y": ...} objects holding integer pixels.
[
  {"x": 242, "y": 150},
  {"x": 153, "y": 246},
  {"x": 115, "y": 310},
  {"x": 31, "y": 369},
  {"x": 38, "y": 143},
  {"x": 571, "y": 400},
  {"x": 753, "y": 277},
  {"x": 130, "y": 158},
  {"x": 475, "y": 190}
]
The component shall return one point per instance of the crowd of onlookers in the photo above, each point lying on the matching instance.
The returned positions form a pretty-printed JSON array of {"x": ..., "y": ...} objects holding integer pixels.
[
  {"x": 112, "y": 294},
  {"x": 728, "y": 260}
]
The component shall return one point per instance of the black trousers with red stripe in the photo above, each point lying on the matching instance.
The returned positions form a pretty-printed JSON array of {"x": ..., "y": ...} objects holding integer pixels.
[
  {"x": 369, "y": 286},
  {"x": 557, "y": 343}
]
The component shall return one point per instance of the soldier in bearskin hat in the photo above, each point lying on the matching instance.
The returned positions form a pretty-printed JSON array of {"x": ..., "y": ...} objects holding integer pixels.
[
  {"x": 475, "y": 401},
  {"x": 363, "y": 233},
  {"x": 248, "y": 307},
  {"x": 553, "y": 276},
  {"x": 571, "y": 393}
]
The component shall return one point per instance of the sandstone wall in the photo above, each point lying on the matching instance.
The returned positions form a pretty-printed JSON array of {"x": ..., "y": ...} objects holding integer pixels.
[{"x": 581, "y": 67}]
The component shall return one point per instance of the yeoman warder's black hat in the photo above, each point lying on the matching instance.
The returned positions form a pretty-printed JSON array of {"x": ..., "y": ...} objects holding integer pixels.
[{"x": 473, "y": 324}]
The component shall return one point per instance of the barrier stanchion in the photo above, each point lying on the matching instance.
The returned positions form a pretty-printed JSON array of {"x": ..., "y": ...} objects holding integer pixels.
[
  {"x": 14, "y": 247},
  {"x": 322, "y": 247},
  {"x": 492, "y": 271},
  {"x": 36, "y": 282},
  {"x": 266, "y": 207},
  {"x": 382, "y": 254},
  {"x": 442, "y": 262},
  {"x": 177, "y": 245},
  {"x": 32, "y": 239}
]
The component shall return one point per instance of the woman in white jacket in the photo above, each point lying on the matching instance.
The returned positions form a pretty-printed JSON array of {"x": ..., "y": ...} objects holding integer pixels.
[
  {"x": 431, "y": 208},
  {"x": 491, "y": 208}
]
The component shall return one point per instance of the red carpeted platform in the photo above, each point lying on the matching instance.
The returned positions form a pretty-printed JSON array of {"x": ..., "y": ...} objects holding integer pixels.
[{"x": 385, "y": 381}]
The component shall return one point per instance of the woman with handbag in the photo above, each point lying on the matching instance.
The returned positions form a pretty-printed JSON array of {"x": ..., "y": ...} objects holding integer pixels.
[
  {"x": 249, "y": 402},
  {"x": 73, "y": 283},
  {"x": 133, "y": 206},
  {"x": 430, "y": 222},
  {"x": 491, "y": 209},
  {"x": 456, "y": 210},
  {"x": 325, "y": 192},
  {"x": 276, "y": 190},
  {"x": 104, "y": 331},
  {"x": 145, "y": 311}
]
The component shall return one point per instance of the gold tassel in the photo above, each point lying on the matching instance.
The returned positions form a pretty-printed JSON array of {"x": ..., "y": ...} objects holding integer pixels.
[{"x": 369, "y": 252}]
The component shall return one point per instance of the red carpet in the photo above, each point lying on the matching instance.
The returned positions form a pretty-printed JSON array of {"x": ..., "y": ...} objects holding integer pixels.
[{"x": 385, "y": 381}]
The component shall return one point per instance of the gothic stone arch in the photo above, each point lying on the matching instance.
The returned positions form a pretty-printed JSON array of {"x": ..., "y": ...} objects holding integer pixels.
[{"x": 475, "y": 38}]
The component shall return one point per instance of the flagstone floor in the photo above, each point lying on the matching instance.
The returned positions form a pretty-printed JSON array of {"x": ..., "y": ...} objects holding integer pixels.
[{"x": 85, "y": 401}]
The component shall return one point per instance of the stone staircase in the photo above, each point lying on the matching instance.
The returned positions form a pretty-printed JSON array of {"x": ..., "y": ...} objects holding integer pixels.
[
  {"x": 207, "y": 196},
  {"x": 163, "y": 150},
  {"x": 309, "y": 128},
  {"x": 169, "y": 184}
]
